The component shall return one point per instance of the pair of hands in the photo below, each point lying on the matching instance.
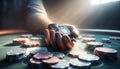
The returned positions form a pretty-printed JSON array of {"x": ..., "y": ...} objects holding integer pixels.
[{"x": 57, "y": 41}]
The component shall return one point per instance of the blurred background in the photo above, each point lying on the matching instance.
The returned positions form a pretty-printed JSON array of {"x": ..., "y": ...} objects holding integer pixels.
[{"x": 85, "y": 14}]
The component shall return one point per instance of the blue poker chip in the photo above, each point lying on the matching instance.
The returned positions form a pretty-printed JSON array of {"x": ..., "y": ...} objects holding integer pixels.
[
  {"x": 106, "y": 40},
  {"x": 15, "y": 55},
  {"x": 58, "y": 54},
  {"x": 63, "y": 64}
]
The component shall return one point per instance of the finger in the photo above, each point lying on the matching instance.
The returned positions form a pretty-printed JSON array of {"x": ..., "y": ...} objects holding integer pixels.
[
  {"x": 52, "y": 38},
  {"x": 59, "y": 41},
  {"x": 68, "y": 43},
  {"x": 47, "y": 36}
]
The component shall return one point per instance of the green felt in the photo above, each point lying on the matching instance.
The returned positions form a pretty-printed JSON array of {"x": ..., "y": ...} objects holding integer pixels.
[{"x": 6, "y": 45}]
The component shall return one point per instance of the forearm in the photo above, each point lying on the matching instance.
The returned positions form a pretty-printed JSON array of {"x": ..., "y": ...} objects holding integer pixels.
[{"x": 37, "y": 16}]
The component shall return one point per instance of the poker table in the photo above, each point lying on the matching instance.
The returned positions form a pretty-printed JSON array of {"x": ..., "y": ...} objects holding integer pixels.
[{"x": 6, "y": 37}]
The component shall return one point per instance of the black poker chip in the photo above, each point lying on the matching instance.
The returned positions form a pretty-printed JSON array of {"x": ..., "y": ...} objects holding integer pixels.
[
  {"x": 58, "y": 54},
  {"x": 63, "y": 64},
  {"x": 106, "y": 53},
  {"x": 95, "y": 60},
  {"x": 15, "y": 55},
  {"x": 92, "y": 45},
  {"x": 75, "y": 63}
]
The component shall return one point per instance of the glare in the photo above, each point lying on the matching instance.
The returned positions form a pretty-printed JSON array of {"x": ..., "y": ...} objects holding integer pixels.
[{"x": 97, "y": 2}]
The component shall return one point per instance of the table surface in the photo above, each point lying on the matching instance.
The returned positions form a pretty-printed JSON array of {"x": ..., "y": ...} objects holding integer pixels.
[{"x": 6, "y": 45}]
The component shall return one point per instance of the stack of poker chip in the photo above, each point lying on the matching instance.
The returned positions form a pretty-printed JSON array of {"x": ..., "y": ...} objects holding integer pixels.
[
  {"x": 15, "y": 55},
  {"x": 20, "y": 41},
  {"x": 106, "y": 53},
  {"x": 93, "y": 45}
]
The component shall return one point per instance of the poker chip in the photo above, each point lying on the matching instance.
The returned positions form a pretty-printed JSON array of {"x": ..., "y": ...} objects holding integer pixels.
[
  {"x": 20, "y": 41},
  {"x": 63, "y": 64},
  {"x": 31, "y": 44},
  {"x": 14, "y": 55},
  {"x": 92, "y": 45},
  {"x": 95, "y": 60},
  {"x": 90, "y": 35},
  {"x": 58, "y": 54},
  {"x": 114, "y": 38},
  {"x": 106, "y": 40},
  {"x": 75, "y": 63},
  {"x": 43, "y": 56},
  {"x": 88, "y": 39},
  {"x": 105, "y": 53},
  {"x": 26, "y": 35},
  {"x": 35, "y": 38},
  {"x": 51, "y": 61},
  {"x": 34, "y": 63},
  {"x": 76, "y": 53}
]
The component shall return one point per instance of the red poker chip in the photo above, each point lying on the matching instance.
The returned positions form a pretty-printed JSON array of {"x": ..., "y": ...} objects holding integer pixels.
[
  {"x": 76, "y": 53},
  {"x": 106, "y": 53},
  {"x": 88, "y": 39},
  {"x": 31, "y": 43},
  {"x": 20, "y": 41},
  {"x": 52, "y": 60},
  {"x": 34, "y": 63},
  {"x": 43, "y": 56}
]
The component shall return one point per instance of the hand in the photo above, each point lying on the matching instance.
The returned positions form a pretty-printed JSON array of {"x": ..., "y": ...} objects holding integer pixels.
[{"x": 57, "y": 41}]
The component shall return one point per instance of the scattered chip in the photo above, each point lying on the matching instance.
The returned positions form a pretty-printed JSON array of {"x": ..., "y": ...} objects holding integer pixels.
[
  {"x": 26, "y": 35},
  {"x": 88, "y": 39},
  {"x": 90, "y": 35},
  {"x": 106, "y": 40},
  {"x": 52, "y": 60},
  {"x": 31, "y": 44},
  {"x": 114, "y": 38},
  {"x": 35, "y": 38},
  {"x": 93, "y": 45},
  {"x": 34, "y": 63},
  {"x": 106, "y": 53},
  {"x": 75, "y": 63},
  {"x": 43, "y": 56},
  {"x": 63, "y": 64},
  {"x": 95, "y": 60},
  {"x": 20, "y": 41},
  {"x": 58, "y": 54},
  {"x": 15, "y": 55},
  {"x": 76, "y": 53}
]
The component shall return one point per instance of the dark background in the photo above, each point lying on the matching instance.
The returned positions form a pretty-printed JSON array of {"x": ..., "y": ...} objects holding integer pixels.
[{"x": 105, "y": 16}]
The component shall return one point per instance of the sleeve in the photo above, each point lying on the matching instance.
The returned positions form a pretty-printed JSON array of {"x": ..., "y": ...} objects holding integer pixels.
[{"x": 37, "y": 19}]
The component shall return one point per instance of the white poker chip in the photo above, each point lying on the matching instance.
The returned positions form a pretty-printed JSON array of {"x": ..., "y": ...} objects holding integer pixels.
[
  {"x": 114, "y": 38},
  {"x": 79, "y": 64},
  {"x": 88, "y": 39},
  {"x": 58, "y": 54},
  {"x": 63, "y": 64},
  {"x": 35, "y": 38},
  {"x": 106, "y": 40},
  {"x": 90, "y": 35},
  {"x": 105, "y": 53},
  {"x": 92, "y": 45},
  {"x": 76, "y": 53},
  {"x": 26, "y": 35},
  {"x": 16, "y": 52}
]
